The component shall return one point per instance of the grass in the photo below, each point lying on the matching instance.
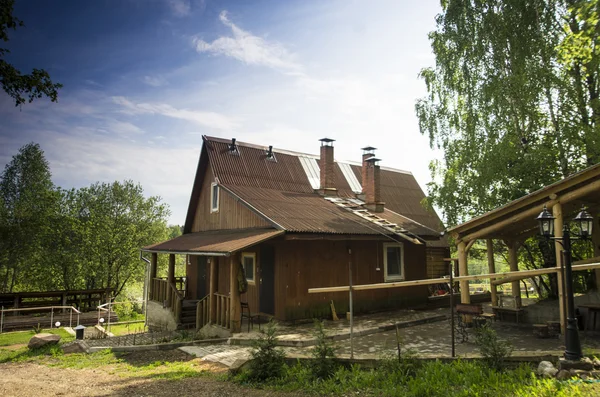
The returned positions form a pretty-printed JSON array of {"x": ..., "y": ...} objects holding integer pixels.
[
  {"x": 457, "y": 379},
  {"x": 125, "y": 329},
  {"x": 22, "y": 337}
]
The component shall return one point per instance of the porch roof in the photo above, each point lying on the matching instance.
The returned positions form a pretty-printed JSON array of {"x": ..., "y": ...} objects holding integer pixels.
[{"x": 213, "y": 243}]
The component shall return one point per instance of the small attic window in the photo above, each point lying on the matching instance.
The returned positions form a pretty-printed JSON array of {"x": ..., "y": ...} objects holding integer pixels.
[{"x": 214, "y": 197}]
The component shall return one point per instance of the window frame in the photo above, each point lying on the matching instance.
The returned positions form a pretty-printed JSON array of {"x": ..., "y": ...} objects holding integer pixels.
[
  {"x": 253, "y": 256},
  {"x": 212, "y": 197},
  {"x": 386, "y": 276}
]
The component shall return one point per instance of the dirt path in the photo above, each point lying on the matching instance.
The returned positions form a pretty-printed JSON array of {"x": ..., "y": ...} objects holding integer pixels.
[{"x": 29, "y": 379}]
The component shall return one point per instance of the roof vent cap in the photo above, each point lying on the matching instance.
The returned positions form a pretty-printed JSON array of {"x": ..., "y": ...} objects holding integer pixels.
[{"x": 327, "y": 141}]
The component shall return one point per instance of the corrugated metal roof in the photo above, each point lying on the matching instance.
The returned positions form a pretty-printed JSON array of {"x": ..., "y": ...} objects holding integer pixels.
[{"x": 214, "y": 242}]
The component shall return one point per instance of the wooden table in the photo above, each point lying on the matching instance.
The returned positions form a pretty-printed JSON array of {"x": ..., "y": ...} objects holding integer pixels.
[{"x": 592, "y": 311}]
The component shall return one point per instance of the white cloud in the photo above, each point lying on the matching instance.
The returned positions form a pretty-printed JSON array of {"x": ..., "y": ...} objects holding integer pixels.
[
  {"x": 180, "y": 8},
  {"x": 155, "y": 81},
  {"x": 207, "y": 119},
  {"x": 248, "y": 48}
]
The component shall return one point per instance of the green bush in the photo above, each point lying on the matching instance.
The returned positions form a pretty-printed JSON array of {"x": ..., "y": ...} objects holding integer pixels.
[
  {"x": 493, "y": 349},
  {"x": 324, "y": 364},
  {"x": 267, "y": 360}
]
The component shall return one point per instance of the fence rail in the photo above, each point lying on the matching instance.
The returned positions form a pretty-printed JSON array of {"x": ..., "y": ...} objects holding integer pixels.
[{"x": 72, "y": 309}]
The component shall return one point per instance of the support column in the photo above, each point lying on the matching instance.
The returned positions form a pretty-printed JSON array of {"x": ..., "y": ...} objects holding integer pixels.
[
  {"x": 596, "y": 243},
  {"x": 153, "y": 270},
  {"x": 463, "y": 271},
  {"x": 558, "y": 232},
  {"x": 171, "y": 272},
  {"x": 212, "y": 289},
  {"x": 491, "y": 270},
  {"x": 513, "y": 262},
  {"x": 234, "y": 294}
]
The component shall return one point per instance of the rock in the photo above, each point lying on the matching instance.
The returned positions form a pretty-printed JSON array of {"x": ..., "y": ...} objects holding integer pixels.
[
  {"x": 596, "y": 363},
  {"x": 546, "y": 369},
  {"x": 75, "y": 347},
  {"x": 584, "y": 365},
  {"x": 595, "y": 374},
  {"x": 563, "y": 374},
  {"x": 39, "y": 340}
]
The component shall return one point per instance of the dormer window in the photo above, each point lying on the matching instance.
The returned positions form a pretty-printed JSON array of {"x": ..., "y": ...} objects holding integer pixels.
[{"x": 214, "y": 197}]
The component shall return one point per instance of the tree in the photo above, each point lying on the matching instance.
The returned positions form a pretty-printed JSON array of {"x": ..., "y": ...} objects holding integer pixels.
[
  {"x": 512, "y": 100},
  {"x": 34, "y": 85},
  {"x": 27, "y": 198}
]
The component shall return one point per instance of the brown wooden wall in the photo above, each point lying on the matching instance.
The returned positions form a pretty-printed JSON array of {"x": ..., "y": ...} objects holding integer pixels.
[
  {"x": 191, "y": 274},
  {"x": 231, "y": 215},
  {"x": 436, "y": 266},
  {"x": 300, "y": 265}
]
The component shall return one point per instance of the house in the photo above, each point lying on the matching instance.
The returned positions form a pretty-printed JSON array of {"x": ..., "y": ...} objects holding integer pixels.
[{"x": 295, "y": 221}]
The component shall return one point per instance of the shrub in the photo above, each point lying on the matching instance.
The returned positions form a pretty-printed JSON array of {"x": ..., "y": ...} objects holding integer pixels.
[
  {"x": 324, "y": 364},
  {"x": 267, "y": 359},
  {"x": 493, "y": 349}
]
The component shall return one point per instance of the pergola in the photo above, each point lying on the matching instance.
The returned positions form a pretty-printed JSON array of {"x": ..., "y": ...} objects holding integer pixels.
[{"x": 513, "y": 223}]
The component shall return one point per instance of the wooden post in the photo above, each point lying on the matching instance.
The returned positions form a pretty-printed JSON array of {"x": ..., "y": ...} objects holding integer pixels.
[
  {"x": 596, "y": 243},
  {"x": 171, "y": 272},
  {"x": 212, "y": 289},
  {"x": 463, "y": 271},
  {"x": 234, "y": 293},
  {"x": 513, "y": 262},
  {"x": 492, "y": 269},
  {"x": 153, "y": 270},
  {"x": 558, "y": 232}
]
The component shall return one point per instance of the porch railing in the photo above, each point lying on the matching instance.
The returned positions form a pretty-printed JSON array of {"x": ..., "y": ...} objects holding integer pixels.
[
  {"x": 203, "y": 312},
  {"x": 168, "y": 295},
  {"x": 222, "y": 314}
]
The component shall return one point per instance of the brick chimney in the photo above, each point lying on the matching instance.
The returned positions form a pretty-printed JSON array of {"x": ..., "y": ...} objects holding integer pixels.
[
  {"x": 372, "y": 185},
  {"x": 368, "y": 152},
  {"x": 326, "y": 165}
]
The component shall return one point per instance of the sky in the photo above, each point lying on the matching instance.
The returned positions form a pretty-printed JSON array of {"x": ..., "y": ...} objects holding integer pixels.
[{"x": 145, "y": 79}]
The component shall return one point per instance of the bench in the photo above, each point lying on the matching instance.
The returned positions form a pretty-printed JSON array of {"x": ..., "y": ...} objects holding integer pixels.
[
  {"x": 466, "y": 309},
  {"x": 501, "y": 312}
]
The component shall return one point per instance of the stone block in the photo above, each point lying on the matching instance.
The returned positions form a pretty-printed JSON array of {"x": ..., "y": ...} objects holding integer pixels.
[
  {"x": 563, "y": 374},
  {"x": 39, "y": 340},
  {"x": 584, "y": 365},
  {"x": 75, "y": 347}
]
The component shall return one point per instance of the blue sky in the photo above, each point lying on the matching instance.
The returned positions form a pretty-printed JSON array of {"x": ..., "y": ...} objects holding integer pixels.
[{"x": 145, "y": 79}]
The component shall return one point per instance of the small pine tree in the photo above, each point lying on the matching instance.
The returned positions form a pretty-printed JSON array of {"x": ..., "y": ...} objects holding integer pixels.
[
  {"x": 493, "y": 349},
  {"x": 324, "y": 364},
  {"x": 267, "y": 359}
]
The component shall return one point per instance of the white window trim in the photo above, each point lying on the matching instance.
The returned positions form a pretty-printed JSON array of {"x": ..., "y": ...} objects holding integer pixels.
[
  {"x": 253, "y": 256},
  {"x": 385, "y": 262},
  {"x": 212, "y": 199}
]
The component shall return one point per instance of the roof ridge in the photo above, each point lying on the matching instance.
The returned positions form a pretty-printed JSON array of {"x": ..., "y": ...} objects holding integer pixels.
[{"x": 294, "y": 153}]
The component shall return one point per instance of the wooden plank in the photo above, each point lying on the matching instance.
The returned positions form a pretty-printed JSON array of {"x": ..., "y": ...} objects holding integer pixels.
[
  {"x": 234, "y": 302},
  {"x": 593, "y": 260}
]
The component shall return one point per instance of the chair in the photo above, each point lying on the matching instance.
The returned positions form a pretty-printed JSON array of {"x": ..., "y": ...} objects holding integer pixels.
[{"x": 249, "y": 315}]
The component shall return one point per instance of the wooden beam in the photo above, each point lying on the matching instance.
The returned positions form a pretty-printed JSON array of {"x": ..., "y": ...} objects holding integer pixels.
[
  {"x": 212, "y": 289},
  {"x": 492, "y": 270},
  {"x": 153, "y": 270},
  {"x": 234, "y": 293},
  {"x": 463, "y": 271},
  {"x": 399, "y": 284},
  {"x": 558, "y": 232},
  {"x": 528, "y": 213},
  {"x": 596, "y": 244},
  {"x": 171, "y": 271},
  {"x": 513, "y": 263},
  {"x": 595, "y": 259}
]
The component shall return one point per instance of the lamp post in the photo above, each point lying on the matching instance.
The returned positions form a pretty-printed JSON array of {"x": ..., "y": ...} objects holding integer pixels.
[{"x": 584, "y": 222}]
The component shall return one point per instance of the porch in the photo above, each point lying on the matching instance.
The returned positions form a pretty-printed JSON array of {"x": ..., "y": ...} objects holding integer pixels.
[{"x": 210, "y": 292}]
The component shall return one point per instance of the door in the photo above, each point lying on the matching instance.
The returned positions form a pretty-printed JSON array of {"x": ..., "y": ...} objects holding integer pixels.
[
  {"x": 267, "y": 280},
  {"x": 201, "y": 280}
]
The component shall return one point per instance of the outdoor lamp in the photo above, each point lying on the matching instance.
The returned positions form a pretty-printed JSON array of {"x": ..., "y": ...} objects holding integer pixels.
[
  {"x": 585, "y": 221},
  {"x": 546, "y": 222}
]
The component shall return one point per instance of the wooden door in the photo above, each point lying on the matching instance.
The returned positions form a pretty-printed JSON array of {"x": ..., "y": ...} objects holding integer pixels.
[{"x": 267, "y": 280}]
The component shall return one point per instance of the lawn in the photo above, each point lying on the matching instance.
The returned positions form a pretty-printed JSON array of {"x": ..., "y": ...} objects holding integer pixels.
[
  {"x": 22, "y": 337},
  {"x": 125, "y": 329}
]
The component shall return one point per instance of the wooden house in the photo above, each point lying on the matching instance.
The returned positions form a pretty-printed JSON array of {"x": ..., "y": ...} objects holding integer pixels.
[{"x": 296, "y": 221}]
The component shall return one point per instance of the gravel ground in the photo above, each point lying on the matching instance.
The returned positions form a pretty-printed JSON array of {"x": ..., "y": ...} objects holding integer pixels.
[{"x": 28, "y": 379}]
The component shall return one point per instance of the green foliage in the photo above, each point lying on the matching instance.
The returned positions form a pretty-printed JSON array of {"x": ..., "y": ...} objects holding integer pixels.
[
  {"x": 267, "y": 359},
  {"x": 512, "y": 100},
  {"x": 14, "y": 83},
  {"x": 37, "y": 329},
  {"x": 53, "y": 239},
  {"x": 493, "y": 349},
  {"x": 324, "y": 364}
]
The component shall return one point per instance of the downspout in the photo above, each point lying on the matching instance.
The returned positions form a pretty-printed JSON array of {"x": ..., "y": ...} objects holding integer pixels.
[{"x": 146, "y": 282}]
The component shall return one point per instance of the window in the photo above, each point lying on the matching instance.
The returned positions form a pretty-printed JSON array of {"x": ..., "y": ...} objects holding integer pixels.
[
  {"x": 214, "y": 197},
  {"x": 393, "y": 261},
  {"x": 249, "y": 263}
]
